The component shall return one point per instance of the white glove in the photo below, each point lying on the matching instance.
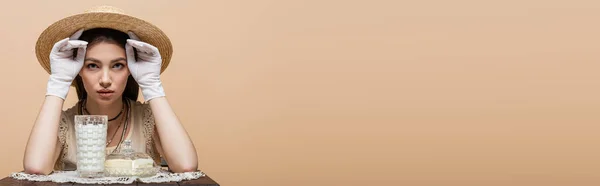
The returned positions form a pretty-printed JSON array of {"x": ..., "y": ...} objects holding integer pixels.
[
  {"x": 146, "y": 69},
  {"x": 63, "y": 66}
]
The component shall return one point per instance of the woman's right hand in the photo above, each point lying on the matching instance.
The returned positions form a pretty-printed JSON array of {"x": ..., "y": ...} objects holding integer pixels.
[{"x": 64, "y": 67}]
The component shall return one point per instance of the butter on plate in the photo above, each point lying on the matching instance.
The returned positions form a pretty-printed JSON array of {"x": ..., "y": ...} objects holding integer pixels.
[
  {"x": 127, "y": 162},
  {"x": 130, "y": 164}
]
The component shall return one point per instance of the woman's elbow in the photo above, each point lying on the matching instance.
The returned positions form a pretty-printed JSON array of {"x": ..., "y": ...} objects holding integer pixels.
[
  {"x": 185, "y": 168},
  {"x": 191, "y": 168},
  {"x": 29, "y": 169}
]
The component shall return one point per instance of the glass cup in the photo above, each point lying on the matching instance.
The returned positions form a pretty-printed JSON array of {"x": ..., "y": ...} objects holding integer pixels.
[{"x": 90, "y": 133}]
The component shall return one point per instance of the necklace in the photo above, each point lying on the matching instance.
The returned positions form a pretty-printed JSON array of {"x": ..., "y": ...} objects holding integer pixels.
[
  {"x": 125, "y": 126},
  {"x": 113, "y": 136},
  {"x": 112, "y": 119}
]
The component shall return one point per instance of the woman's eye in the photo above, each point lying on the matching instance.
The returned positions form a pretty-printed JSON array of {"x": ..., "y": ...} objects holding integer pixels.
[
  {"x": 118, "y": 66},
  {"x": 92, "y": 66}
]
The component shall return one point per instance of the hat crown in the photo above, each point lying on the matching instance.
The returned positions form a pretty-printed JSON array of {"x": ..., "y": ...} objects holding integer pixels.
[{"x": 105, "y": 9}]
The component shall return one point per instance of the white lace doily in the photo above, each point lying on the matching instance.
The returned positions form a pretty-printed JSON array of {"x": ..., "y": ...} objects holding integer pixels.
[{"x": 71, "y": 176}]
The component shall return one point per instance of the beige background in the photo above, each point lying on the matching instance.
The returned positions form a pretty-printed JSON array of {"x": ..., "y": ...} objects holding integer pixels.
[{"x": 433, "y": 92}]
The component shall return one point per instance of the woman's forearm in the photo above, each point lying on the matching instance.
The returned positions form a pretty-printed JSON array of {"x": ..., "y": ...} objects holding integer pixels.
[
  {"x": 41, "y": 150},
  {"x": 176, "y": 144}
]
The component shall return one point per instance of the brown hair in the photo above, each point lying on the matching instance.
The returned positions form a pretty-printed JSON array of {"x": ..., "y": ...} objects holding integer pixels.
[{"x": 107, "y": 35}]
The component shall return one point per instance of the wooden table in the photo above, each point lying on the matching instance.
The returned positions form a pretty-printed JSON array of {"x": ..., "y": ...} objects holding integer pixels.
[{"x": 203, "y": 181}]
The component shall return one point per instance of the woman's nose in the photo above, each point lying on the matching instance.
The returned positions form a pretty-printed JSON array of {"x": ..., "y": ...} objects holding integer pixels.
[{"x": 105, "y": 81}]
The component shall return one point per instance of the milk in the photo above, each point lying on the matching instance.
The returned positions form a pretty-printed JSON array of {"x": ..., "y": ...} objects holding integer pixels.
[{"x": 90, "y": 133}]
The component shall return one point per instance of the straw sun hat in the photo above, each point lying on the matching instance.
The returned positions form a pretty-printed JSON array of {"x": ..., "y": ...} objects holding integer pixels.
[{"x": 102, "y": 17}]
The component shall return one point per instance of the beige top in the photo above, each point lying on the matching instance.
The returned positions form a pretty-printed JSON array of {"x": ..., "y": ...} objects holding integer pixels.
[{"x": 141, "y": 134}]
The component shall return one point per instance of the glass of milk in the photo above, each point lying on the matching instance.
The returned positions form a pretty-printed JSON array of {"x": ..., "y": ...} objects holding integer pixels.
[{"x": 90, "y": 133}]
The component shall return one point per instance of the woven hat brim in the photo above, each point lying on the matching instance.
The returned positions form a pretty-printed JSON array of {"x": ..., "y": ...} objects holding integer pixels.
[{"x": 63, "y": 28}]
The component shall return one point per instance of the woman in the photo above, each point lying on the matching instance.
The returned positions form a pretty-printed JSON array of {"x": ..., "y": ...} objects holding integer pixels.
[{"x": 106, "y": 66}]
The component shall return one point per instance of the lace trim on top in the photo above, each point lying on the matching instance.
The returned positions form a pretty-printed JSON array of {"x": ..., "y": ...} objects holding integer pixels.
[
  {"x": 149, "y": 123},
  {"x": 62, "y": 138}
]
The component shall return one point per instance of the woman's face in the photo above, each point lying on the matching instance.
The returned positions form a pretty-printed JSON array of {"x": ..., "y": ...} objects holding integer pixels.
[{"x": 104, "y": 73}]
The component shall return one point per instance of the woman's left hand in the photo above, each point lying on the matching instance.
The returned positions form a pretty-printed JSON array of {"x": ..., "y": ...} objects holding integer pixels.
[{"x": 146, "y": 68}]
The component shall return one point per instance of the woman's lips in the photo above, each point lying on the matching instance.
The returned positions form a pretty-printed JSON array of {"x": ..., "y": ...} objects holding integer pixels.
[{"x": 105, "y": 94}]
